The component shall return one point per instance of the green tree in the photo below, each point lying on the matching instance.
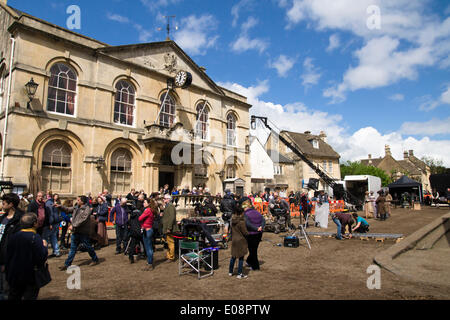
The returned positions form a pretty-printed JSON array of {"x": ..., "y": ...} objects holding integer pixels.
[
  {"x": 436, "y": 165},
  {"x": 357, "y": 168}
]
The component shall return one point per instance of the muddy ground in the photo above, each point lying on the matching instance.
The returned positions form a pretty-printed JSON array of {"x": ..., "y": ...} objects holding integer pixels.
[{"x": 332, "y": 269}]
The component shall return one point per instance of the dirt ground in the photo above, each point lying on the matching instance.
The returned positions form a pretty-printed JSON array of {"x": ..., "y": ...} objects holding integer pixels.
[{"x": 332, "y": 269}]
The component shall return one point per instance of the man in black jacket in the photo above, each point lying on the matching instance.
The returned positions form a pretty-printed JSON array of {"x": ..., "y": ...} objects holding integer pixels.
[
  {"x": 43, "y": 213},
  {"x": 26, "y": 250},
  {"x": 227, "y": 206},
  {"x": 9, "y": 224}
]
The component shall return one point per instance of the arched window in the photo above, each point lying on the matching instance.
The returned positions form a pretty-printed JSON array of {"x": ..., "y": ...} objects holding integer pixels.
[
  {"x": 62, "y": 89},
  {"x": 121, "y": 161},
  {"x": 230, "y": 172},
  {"x": 202, "y": 129},
  {"x": 124, "y": 103},
  {"x": 231, "y": 130},
  {"x": 56, "y": 167},
  {"x": 167, "y": 115}
]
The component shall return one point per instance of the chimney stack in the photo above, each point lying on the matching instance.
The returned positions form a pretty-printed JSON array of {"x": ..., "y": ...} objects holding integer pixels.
[
  {"x": 323, "y": 136},
  {"x": 411, "y": 153},
  {"x": 370, "y": 156},
  {"x": 387, "y": 150},
  {"x": 405, "y": 155}
]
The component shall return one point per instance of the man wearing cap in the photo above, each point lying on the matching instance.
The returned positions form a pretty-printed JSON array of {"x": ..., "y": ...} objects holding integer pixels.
[{"x": 169, "y": 222}]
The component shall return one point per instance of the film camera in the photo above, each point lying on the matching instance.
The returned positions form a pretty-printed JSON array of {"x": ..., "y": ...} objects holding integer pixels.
[{"x": 279, "y": 223}]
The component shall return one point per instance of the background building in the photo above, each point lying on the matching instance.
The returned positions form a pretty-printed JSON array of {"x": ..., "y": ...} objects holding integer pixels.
[
  {"x": 410, "y": 166},
  {"x": 95, "y": 120},
  {"x": 291, "y": 172}
]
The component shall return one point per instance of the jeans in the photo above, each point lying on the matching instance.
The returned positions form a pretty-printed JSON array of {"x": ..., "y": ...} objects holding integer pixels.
[
  {"x": 339, "y": 227},
  {"x": 148, "y": 237},
  {"x": 121, "y": 237},
  {"x": 51, "y": 236},
  {"x": 75, "y": 240},
  {"x": 253, "y": 243},
  {"x": 240, "y": 264}
]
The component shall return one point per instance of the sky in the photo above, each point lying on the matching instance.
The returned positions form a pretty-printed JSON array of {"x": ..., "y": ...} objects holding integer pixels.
[{"x": 369, "y": 73}]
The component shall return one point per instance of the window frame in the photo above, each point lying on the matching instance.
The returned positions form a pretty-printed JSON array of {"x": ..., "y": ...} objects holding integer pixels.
[
  {"x": 205, "y": 125},
  {"x": 233, "y": 130},
  {"x": 75, "y": 102},
  {"x": 58, "y": 168},
  {"x": 162, "y": 108},
  {"x": 114, "y": 171},
  {"x": 134, "y": 105}
]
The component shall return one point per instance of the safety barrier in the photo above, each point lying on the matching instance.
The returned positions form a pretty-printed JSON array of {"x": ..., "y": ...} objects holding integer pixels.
[{"x": 337, "y": 206}]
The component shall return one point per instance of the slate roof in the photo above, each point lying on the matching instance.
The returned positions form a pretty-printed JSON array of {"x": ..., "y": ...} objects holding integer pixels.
[{"x": 306, "y": 147}]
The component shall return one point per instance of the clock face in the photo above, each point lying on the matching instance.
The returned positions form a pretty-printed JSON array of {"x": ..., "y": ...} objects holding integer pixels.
[{"x": 180, "y": 78}]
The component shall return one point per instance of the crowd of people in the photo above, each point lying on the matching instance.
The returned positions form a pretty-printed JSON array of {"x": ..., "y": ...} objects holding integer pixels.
[{"x": 139, "y": 220}]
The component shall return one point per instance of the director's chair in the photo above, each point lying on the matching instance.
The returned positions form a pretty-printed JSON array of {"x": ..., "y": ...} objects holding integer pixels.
[{"x": 193, "y": 258}]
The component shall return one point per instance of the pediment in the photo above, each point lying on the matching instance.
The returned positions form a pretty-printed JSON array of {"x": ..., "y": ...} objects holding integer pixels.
[{"x": 164, "y": 57}]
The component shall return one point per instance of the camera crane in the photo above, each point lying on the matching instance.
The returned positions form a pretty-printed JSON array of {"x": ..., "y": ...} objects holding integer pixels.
[{"x": 289, "y": 142}]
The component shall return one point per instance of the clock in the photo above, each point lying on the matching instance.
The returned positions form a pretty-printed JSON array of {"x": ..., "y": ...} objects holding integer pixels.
[{"x": 183, "y": 79}]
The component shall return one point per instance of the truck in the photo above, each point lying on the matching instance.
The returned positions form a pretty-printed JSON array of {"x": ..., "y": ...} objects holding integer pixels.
[{"x": 357, "y": 185}]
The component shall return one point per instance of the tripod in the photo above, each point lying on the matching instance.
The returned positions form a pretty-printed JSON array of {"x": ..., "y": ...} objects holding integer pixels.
[{"x": 302, "y": 232}]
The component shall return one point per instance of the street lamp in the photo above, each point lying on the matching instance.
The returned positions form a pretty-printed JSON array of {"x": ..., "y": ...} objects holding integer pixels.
[
  {"x": 100, "y": 162},
  {"x": 253, "y": 123},
  {"x": 31, "y": 88}
]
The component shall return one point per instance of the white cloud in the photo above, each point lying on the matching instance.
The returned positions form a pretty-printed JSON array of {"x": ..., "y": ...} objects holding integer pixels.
[
  {"x": 334, "y": 42},
  {"x": 117, "y": 18},
  {"x": 445, "y": 97},
  {"x": 195, "y": 35},
  {"x": 409, "y": 38},
  {"x": 245, "y": 43},
  {"x": 153, "y": 5},
  {"x": 369, "y": 141},
  {"x": 143, "y": 34},
  {"x": 236, "y": 10},
  {"x": 380, "y": 64},
  {"x": 311, "y": 76},
  {"x": 298, "y": 117},
  {"x": 429, "y": 104},
  {"x": 431, "y": 128},
  {"x": 397, "y": 97},
  {"x": 282, "y": 64}
]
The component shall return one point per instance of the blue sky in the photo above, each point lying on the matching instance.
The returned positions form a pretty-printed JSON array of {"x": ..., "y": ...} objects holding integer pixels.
[{"x": 308, "y": 65}]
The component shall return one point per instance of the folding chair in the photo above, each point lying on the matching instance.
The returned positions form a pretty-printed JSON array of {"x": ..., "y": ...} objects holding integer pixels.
[{"x": 194, "y": 258}]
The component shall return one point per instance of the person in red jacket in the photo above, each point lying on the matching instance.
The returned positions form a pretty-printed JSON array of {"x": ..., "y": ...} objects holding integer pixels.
[{"x": 146, "y": 220}]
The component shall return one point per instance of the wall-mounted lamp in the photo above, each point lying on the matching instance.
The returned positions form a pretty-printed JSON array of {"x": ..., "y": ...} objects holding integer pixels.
[
  {"x": 221, "y": 173},
  {"x": 100, "y": 162},
  {"x": 31, "y": 88},
  {"x": 253, "y": 123}
]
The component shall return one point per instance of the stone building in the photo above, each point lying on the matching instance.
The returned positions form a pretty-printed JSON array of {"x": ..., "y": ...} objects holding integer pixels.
[
  {"x": 96, "y": 119},
  {"x": 410, "y": 166},
  {"x": 291, "y": 173}
]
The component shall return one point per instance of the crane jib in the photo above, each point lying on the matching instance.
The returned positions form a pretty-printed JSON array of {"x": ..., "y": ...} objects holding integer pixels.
[{"x": 326, "y": 178}]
